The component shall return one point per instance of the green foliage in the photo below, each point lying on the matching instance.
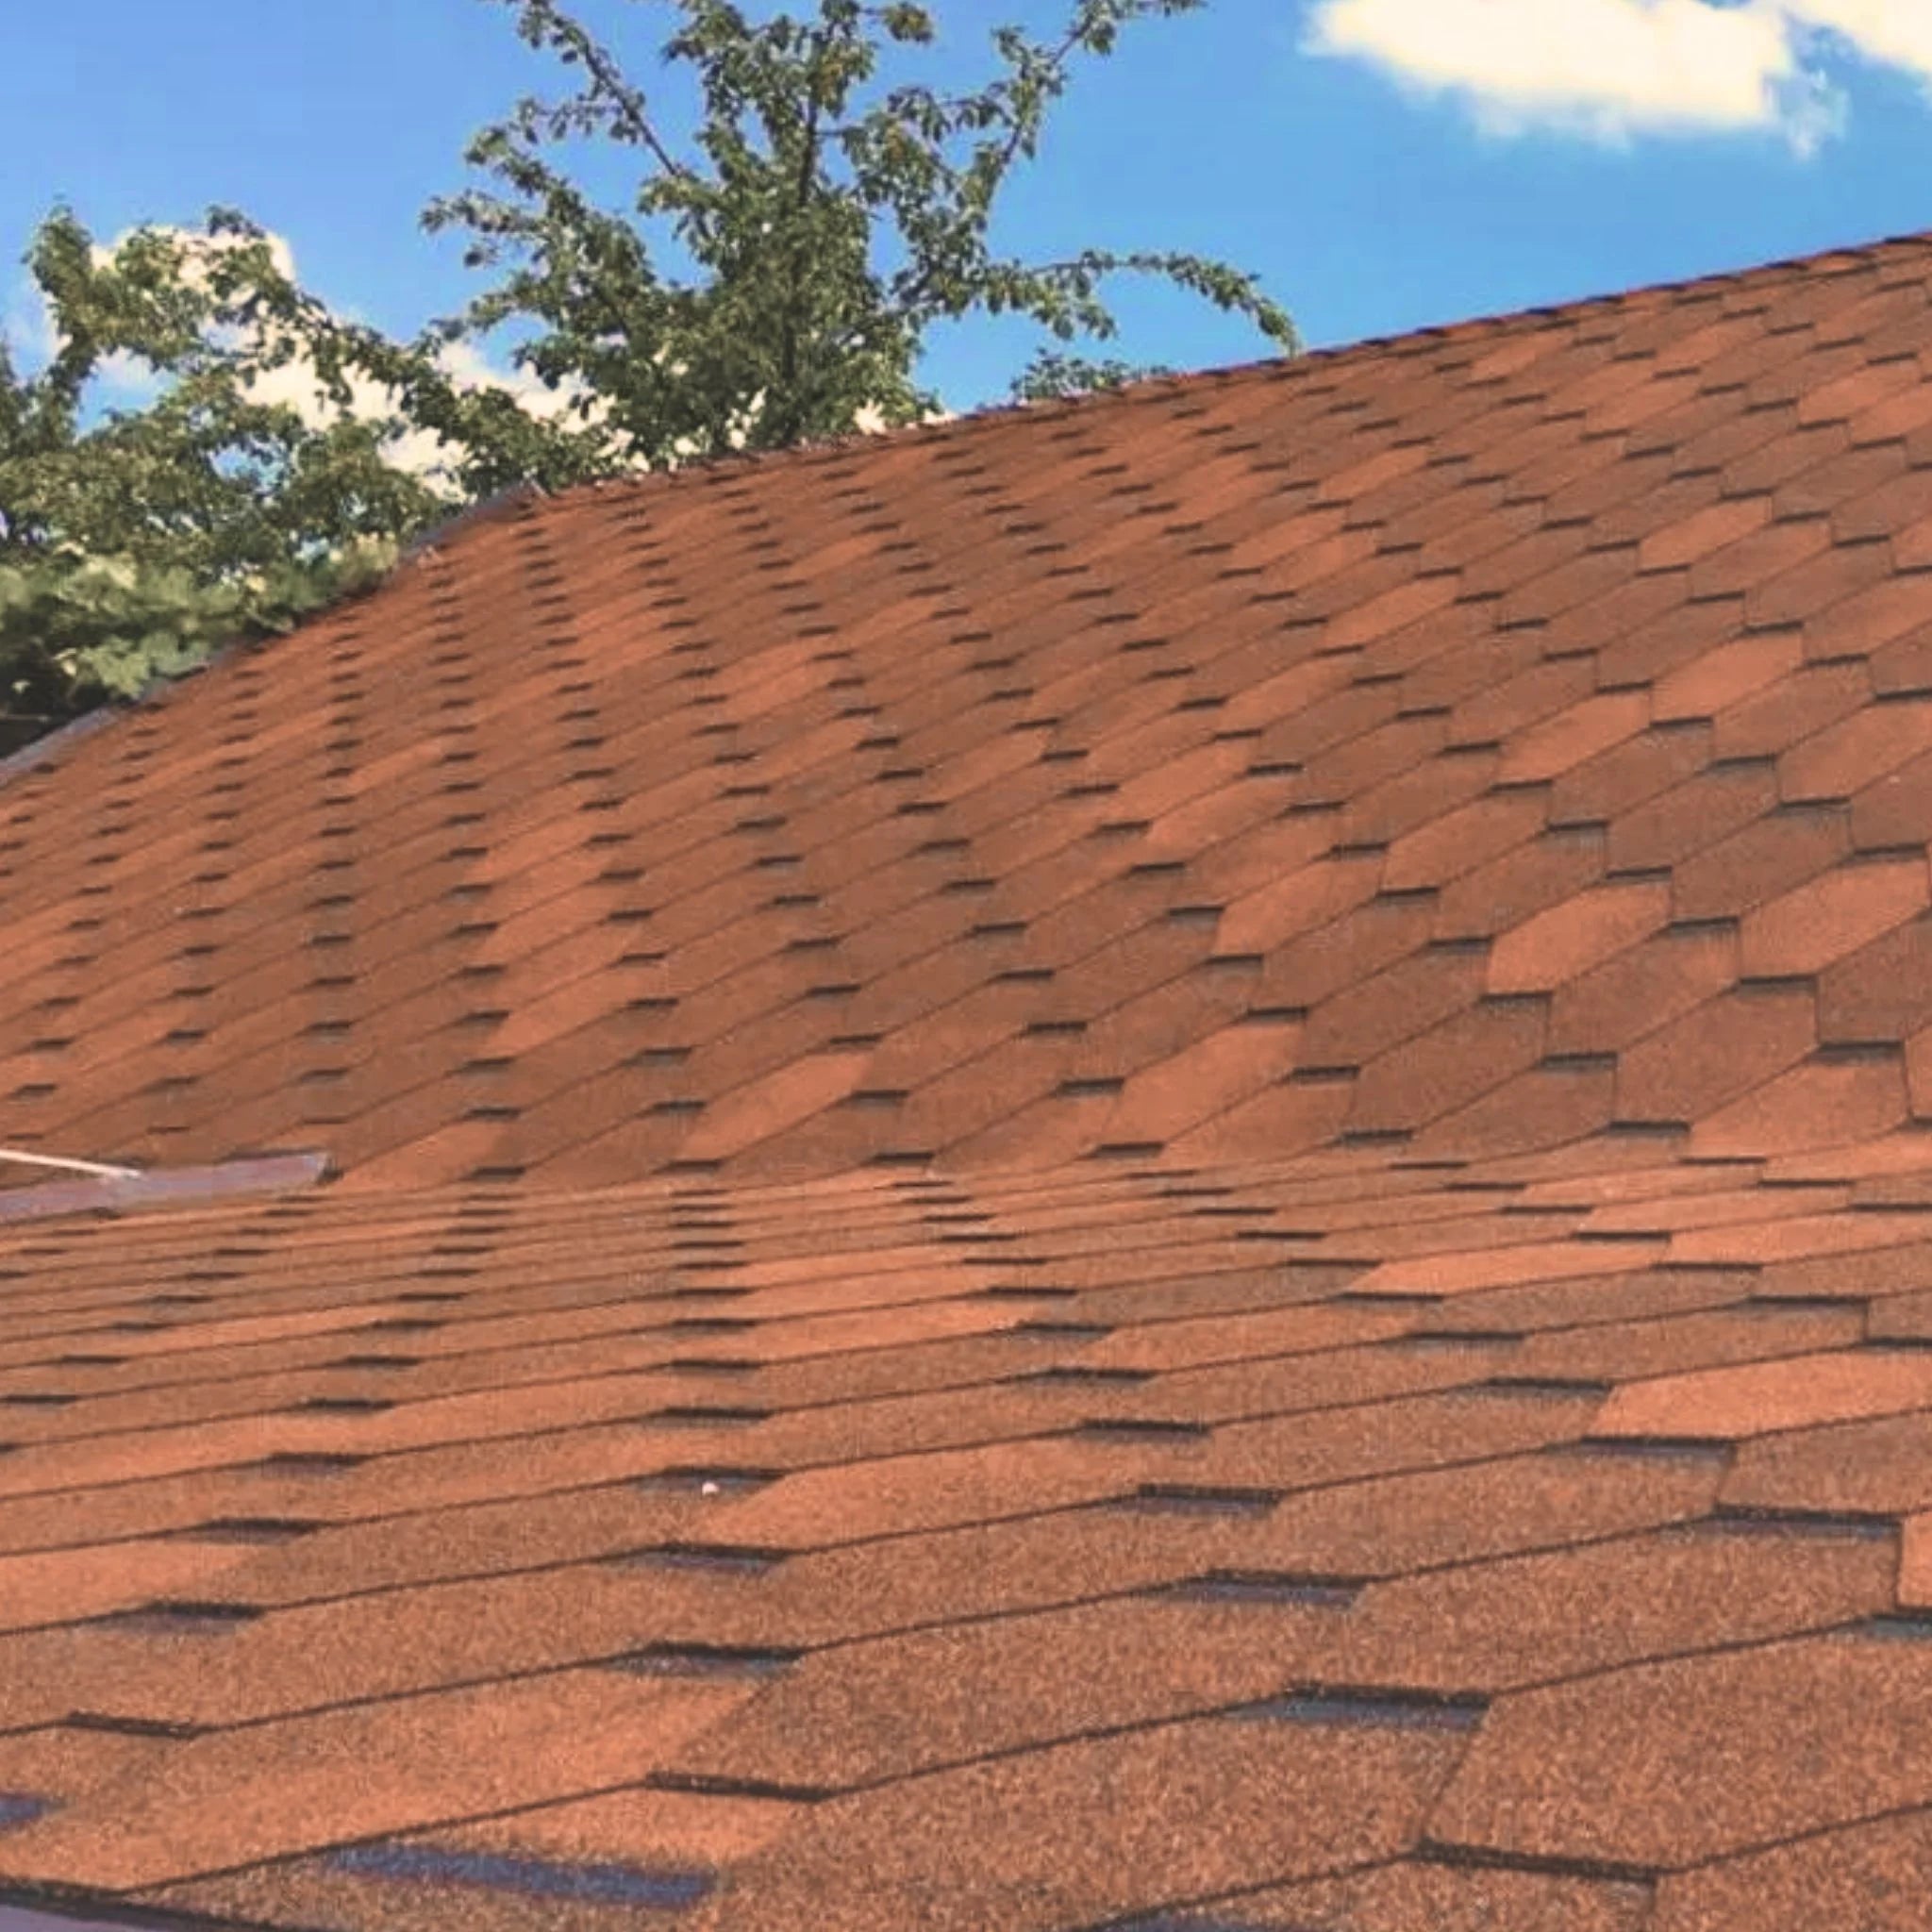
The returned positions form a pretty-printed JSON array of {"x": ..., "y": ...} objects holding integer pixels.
[
  {"x": 135, "y": 542},
  {"x": 792, "y": 329},
  {"x": 1051, "y": 376},
  {"x": 134, "y": 545},
  {"x": 262, "y": 478},
  {"x": 77, "y": 630}
]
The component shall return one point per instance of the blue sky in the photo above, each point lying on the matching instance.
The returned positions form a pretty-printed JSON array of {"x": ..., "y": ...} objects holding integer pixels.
[{"x": 1381, "y": 164}]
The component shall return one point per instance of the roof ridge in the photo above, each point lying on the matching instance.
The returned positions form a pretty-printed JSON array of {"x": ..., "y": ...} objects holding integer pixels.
[
  {"x": 732, "y": 463},
  {"x": 434, "y": 542},
  {"x": 1852, "y": 256},
  {"x": 492, "y": 509}
]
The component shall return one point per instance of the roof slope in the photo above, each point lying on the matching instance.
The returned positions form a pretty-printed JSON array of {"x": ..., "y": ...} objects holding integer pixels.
[
  {"x": 1325, "y": 1545},
  {"x": 1150, "y": 1162},
  {"x": 1486, "y": 739}
]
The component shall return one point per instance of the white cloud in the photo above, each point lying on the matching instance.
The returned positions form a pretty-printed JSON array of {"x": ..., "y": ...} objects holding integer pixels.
[
  {"x": 421, "y": 452},
  {"x": 1613, "y": 69},
  {"x": 131, "y": 381},
  {"x": 1894, "y": 33}
]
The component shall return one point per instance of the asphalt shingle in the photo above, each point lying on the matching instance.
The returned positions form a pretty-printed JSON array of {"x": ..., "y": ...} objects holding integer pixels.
[{"x": 1153, "y": 1163}]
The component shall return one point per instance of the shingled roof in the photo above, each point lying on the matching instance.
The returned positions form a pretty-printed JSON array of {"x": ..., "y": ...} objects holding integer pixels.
[{"x": 1153, "y": 1162}]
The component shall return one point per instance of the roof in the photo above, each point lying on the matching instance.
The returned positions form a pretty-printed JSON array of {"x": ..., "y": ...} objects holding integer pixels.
[{"x": 1153, "y": 1161}]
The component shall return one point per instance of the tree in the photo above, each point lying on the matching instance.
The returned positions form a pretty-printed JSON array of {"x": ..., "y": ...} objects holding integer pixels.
[
  {"x": 130, "y": 548},
  {"x": 134, "y": 545},
  {"x": 796, "y": 329}
]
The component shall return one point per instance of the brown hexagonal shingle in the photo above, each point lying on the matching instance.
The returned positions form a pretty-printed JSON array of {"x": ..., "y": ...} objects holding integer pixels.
[{"x": 1147, "y": 1163}]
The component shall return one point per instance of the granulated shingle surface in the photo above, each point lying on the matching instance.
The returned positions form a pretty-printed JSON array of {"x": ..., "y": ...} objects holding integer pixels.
[{"x": 1158, "y": 1163}]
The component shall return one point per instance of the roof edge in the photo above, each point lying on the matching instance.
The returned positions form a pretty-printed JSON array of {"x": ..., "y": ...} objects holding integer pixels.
[
  {"x": 491, "y": 509},
  {"x": 38, "y": 751},
  {"x": 1845, "y": 259}
]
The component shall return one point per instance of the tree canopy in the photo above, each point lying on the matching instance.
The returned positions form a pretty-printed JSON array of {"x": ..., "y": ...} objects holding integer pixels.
[{"x": 284, "y": 453}]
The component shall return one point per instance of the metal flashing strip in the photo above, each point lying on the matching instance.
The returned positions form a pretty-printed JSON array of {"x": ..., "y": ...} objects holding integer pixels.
[
  {"x": 16, "y": 1156},
  {"x": 130, "y": 1189}
]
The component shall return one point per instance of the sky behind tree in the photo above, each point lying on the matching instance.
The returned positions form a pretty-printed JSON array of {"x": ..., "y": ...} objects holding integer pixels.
[{"x": 1381, "y": 164}]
